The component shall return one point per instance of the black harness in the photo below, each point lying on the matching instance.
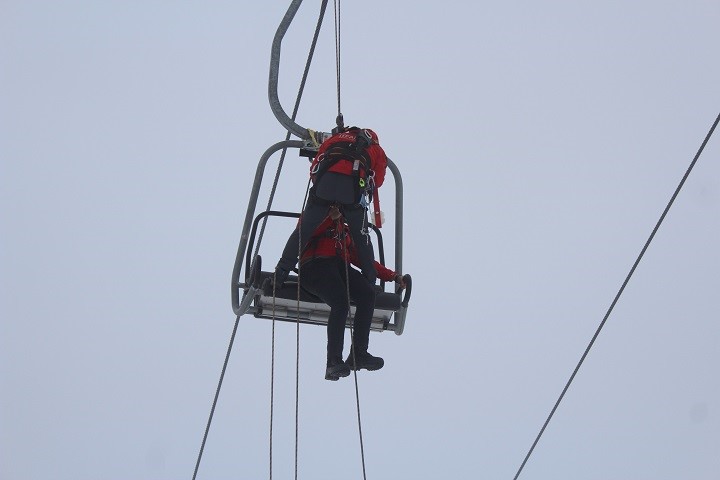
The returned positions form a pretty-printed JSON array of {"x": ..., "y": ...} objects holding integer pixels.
[{"x": 355, "y": 152}]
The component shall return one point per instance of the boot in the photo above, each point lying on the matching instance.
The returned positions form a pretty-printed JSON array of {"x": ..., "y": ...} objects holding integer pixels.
[
  {"x": 336, "y": 369},
  {"x": 363, "y": 360}
]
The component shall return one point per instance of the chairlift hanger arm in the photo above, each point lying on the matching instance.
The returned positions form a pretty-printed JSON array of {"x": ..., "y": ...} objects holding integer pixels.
[{"x": 275, "y": 105}]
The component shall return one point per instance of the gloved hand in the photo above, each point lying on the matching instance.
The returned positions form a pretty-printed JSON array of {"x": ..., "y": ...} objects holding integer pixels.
[{"x": 281, "y": 276}]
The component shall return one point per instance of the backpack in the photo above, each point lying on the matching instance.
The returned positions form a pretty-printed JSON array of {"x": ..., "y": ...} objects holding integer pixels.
[{"x": 351, "y": 148}]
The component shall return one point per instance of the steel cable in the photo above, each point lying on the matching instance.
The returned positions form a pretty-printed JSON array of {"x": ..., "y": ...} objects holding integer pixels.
[
  {"x": 619, "y": 293},
  {"x": 217, "y": 395}
]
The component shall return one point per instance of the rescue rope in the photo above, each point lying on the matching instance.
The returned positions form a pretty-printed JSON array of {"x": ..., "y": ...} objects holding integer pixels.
[
  {"x": 297, "y": 356},
  {"x": 272, "y": 375},
  {"x": 313, "y": 44},
  {"x": 352, "y": 345},
  {"x": 619, "y": 293},
  {"x": 336, "y": 4},
  {"x": 297, "y": 336},
  {"x": 217, "y": 394}
]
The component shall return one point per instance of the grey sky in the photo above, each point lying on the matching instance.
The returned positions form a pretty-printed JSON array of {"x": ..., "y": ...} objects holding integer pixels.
[{"x": 538, "y": 142}]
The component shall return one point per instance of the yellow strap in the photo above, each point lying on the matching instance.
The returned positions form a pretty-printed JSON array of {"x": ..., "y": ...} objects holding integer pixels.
[{"x": 312, "y": 137}]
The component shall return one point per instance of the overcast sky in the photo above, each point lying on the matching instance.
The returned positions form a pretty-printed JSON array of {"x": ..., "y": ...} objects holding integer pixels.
[{"x": 539, "y": 142}]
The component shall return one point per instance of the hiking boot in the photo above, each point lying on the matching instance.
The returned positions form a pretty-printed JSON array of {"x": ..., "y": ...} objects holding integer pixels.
[
  {"x": 363, "y": 360},
  {"x": 336, "y": 369}
]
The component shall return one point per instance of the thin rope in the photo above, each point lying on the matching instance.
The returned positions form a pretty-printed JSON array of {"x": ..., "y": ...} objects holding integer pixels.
[
  {"x": 297, "y": 382},
  {"x": 313, "y": 44},
  {"x": 217, "y": 394},
  {"x": 272, "y": 376},
  {"x": 352, "y": 349},
  {"x": 297, "y": 337},
  {"x": 336, "y": 4},
  {"x": 619, "y": 293},
  {"x": 264, "y": 223},
  {"x": 301, "y": 89},
  {"x": 297, "y": 357}
]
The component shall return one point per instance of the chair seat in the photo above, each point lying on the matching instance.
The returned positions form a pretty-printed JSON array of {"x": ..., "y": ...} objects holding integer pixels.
[{"x": 310, "y": 309}]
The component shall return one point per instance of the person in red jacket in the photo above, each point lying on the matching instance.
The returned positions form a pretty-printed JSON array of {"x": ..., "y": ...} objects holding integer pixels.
[
  {"x": 324, "y": 269},
  {"x": 349, "y": 166}
]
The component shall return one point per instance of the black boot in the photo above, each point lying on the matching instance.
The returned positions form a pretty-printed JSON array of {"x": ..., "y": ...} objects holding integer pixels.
[
  {"x": 336, "y": 369},
  {"x": 363, "y": 360}
]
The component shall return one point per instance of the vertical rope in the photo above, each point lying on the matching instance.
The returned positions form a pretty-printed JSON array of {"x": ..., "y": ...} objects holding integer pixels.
[
  {"x": 272, "y": 377},
  {"x": 313, "y": 44},
  {"x": 297, "y": 338},
  {"x": 297, "y": 385},
  {"x": 346, "y": 260},
  {"x": 336, "y": 4}
]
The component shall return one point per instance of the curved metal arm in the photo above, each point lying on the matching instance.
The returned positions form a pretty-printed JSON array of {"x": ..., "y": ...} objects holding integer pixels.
[
  {"x": 277, "y": 109},
  {"x": 249, "y": 217},
  {"x": 398, "y": 214}
]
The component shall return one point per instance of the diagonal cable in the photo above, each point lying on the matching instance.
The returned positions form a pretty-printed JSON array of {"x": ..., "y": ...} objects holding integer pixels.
[
  {"x": 619, "y": 293},
  {"x": 217, "y": 394}
]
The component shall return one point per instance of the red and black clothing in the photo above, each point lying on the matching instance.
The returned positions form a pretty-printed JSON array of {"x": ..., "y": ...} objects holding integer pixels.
[
  {"x": 335, "y": 182},
  {"x": 373, "y": 153},
  {"x": 325, "y": 272},
  {"x": 332, "y": 239}
]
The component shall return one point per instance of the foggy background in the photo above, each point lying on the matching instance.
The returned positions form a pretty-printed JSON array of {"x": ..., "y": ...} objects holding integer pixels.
[{"x": 539, "y": 142}]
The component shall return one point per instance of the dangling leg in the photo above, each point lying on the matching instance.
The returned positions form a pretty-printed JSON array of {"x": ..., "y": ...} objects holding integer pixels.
[
  {"x": 363, "y": 294},
  {"x": 323, "y": 278}
]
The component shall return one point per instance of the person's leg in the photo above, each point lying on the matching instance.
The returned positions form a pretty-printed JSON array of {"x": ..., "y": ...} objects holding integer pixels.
[
  {"x": 362, "y": 293},
  {"x": 312, "y": 217},
  {"x": 315, "y": 213},
  {"x": 356, "y": 219},
  {"x": 323, "y": 278}
]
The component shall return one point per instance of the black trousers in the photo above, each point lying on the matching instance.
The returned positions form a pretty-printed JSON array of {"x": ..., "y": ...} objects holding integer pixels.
[
  {"x": 338, "y": 188},
  {"x": 325, "y": 278}
]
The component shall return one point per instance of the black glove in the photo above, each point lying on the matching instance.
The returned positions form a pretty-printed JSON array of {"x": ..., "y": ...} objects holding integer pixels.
[{"x": 281, "y": 276}]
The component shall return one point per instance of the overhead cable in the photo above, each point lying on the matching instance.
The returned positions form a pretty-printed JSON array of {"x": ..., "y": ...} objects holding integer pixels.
[{"x": 619, "y": 293}]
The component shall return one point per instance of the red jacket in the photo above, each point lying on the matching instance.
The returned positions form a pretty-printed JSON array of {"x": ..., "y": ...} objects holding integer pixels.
[
  {"x": 326, "y": 244},
  {"x": 378, "y": 159}
]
